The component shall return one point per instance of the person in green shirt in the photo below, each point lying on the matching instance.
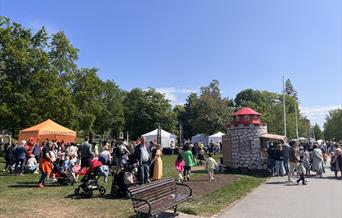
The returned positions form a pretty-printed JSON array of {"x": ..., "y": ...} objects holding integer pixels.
[{"x": 188, "y": 159}]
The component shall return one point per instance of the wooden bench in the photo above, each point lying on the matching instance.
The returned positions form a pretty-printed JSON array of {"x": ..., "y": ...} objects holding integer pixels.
[{"x": 155, "y": 197}]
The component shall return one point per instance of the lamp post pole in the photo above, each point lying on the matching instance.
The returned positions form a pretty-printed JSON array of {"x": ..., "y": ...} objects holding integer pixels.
[{"x": 284, "y": 107}]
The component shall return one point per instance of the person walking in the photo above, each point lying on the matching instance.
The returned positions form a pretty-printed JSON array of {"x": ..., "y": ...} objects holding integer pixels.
[
  {"x": 45, "y": 165},
  {"x": 293, "y": 160},
  {"x": 188, "y": 159},
  {"x": 20, "y": 157},
  {"x": 210, "y": 166},
  {"x": 301, "y": 168},
  {"x": 179, "y": 164},
  {"x": 336, "y": 162},
  {"x": 317, "y": 161},
  {"x": 158, "y": 164}
]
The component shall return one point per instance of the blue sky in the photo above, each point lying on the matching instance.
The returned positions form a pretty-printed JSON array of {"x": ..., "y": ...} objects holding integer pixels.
[{"x": 178, "y": 46}]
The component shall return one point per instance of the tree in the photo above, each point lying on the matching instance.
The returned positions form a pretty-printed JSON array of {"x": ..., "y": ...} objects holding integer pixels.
[
  {"x": 270, "y": 105},
  {"x": 86, "y": 91},
  {"x": 63, "y": 56},
  {"x": 30, "y": 91},
  {"x": 145, "y": 110},
  {"x": 317, "y": 131},
  {"x": 190, "y": 113},
  {"x": 111, "y": 117},
  {"x": 289, "y": 89},
  {"x": 250, "y": 98},
  {"x": 39, "y": 80},
  {"x": 206, "y": 113},
  {"x": 332, "y": 125}
]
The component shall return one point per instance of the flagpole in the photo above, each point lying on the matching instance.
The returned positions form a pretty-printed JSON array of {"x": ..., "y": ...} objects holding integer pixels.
[{"x": 285, "y": 134}]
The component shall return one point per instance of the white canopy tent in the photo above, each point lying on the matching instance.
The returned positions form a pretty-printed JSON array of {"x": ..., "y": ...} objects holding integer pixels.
[
  {"x": 166, "y": 138},
  {"x": 216, "y": 138},
  {"x": 200, "y": 138}
]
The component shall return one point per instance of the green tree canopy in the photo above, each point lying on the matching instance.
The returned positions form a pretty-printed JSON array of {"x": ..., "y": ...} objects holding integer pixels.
[
  {"x": 332, "y": 126},
  {"x": 144, "y": 110},
  {"x": 270, "y": 105},
  {"x": 317, "y": 131},
  {"x": 206, "y": 113}
]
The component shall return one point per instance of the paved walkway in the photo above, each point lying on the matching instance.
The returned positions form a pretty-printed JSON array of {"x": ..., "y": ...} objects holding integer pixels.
[{"x": 321, "y": 198}]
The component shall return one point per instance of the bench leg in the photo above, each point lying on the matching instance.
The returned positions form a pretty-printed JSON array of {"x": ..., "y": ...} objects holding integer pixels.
[{"x": 175, "y": 209}]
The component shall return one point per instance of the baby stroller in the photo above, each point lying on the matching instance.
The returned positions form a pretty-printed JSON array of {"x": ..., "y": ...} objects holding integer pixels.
[
  {"x": 64, "y": 175},
  {"x": 65, "y": 178},
  {"x": 123, "y": 179},
  {"x": 90, "y": 181}
]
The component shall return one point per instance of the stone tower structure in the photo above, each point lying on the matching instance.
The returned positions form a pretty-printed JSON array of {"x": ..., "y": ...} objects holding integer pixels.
[{"x": 241, "y": 145}]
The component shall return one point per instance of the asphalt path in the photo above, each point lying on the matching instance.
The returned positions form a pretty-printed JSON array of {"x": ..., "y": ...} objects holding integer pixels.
[{"x": 276, "y": 198}]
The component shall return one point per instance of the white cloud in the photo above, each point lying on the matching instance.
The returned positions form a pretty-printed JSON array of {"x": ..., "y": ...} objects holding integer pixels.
[
  {"x": 317, "y": 114},
  {"x": 175, "y": 95}
]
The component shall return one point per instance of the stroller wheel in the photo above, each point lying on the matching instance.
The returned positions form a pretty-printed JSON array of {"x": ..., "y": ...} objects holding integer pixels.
[
  {"x": 89, "y": 193},
  {"x": 115, "y": 191},
  {"x": 102, "y": 190},
  {"x": 77, "y": 191}
]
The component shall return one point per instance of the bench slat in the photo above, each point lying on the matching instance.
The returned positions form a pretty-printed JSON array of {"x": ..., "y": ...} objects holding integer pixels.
[
  {"x": 160, "y": 195},
  {"x": 145, "y": 187},
  {"x": 164, "y": 205}
]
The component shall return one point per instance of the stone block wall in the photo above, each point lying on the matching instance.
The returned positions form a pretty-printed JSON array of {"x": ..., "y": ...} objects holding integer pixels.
[{"x": 245, "y": 143}]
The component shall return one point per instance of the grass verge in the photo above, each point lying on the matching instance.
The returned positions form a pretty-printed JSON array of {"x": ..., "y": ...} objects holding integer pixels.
[
  {"x": 215, "y": 201},
  {"x": 20, "y": 198}
]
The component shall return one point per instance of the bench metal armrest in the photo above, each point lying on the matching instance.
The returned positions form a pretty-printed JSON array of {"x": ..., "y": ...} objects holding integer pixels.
[
  {"x": 146, "y": 201},
  {"x": 182, "y": 184}
]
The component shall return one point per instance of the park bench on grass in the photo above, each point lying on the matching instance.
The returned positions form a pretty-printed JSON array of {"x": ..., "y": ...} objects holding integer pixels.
[{"x": 158, "y": 196}]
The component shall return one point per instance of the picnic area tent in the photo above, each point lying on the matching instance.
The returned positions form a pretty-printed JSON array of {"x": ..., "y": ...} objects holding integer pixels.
[
  {"x": 48, "y": 130},
  {"x": 166, "y": 137},
  {"x": 200, "y": 137},
  {"x": 216, "y": 138}
]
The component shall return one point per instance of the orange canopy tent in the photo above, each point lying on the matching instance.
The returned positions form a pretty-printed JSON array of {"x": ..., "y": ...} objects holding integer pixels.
[{"x": 48, "y": 130}]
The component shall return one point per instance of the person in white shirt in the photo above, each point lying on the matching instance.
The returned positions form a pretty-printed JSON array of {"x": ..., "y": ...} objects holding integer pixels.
[{"x": 31, "y": 165}]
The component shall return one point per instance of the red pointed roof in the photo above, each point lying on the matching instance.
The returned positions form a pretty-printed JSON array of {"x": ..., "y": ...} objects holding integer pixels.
[{"x": 245, "y": 111}]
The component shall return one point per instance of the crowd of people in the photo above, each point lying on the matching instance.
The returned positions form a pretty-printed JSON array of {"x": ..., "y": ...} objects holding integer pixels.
[
  {"x": 285, "y": 159},
  {"x": 51, "y": 158}
]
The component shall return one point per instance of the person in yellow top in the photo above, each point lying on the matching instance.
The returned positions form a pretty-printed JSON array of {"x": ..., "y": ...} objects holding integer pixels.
[
  {"x": 158, "y": 164},
  {"x": 210, "y": 165}
]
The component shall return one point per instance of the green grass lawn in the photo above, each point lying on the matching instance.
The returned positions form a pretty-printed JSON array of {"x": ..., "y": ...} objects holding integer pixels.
[{"x": 20, "y": 198}]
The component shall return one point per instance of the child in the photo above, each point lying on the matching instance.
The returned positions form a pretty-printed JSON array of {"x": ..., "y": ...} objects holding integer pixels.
[
  {"x": 180, "y": 167},
  {"x": 188, "y": 161},
  {"x": 301, "y": 166},
  {"x": 211, "y": 164}
]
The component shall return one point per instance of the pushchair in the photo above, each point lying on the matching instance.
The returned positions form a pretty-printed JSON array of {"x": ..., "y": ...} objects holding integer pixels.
[
  {"x": 65, "y": 178},
  {"x": 64, "y": 174},
  {"x": 123, "y": 179},
  {"x": 90, "y": 181}
]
